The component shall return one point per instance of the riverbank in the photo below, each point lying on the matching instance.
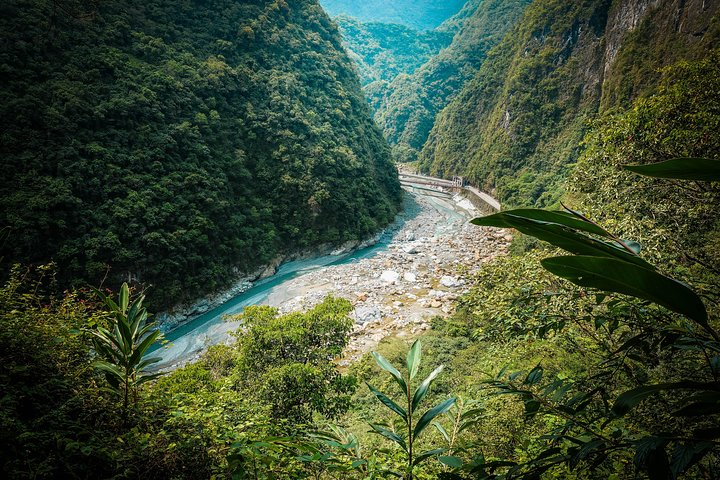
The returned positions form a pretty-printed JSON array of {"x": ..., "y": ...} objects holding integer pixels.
[
  {"x": 415, "y": 272},
  {"x": 184, "y": 314},
  {"x": 425, "y": 268}
]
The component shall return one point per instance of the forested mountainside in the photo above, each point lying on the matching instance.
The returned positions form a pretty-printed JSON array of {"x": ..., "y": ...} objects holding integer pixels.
[
  {"x": 406, "y": 107},
  {"x": 173, "y": 138},
  {"x": 516, "y": 126},
  {"x": 417, "y": 14},
  {"x": 382, "y": 51},
  {"x": 176, "y": 144}
]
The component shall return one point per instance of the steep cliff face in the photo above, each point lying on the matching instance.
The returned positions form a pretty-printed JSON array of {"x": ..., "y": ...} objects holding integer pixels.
[
  {"x": 517, "y": 125},
  {"x": 645, "y": 35}
]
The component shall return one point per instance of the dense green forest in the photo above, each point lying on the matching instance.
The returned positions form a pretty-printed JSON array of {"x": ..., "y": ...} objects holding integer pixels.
[
  {"x": 590, "y": 351},
  {"x": 516, "y": 126},
  {"x": 417, "y": 14},
  {"x": 406, "y": 107},
  {"x": 383, "y": 51},
  {"x": 179, "y": 144}
]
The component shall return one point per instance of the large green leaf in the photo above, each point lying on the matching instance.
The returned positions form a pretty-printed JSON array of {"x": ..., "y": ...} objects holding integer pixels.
[
  {"x": 505, "y": 219},
  {"x": 630, "y": 399},
  {"x": 388, "y": 367},
  {"x": 388, "y": 402},
  {"x": 124, "y": 298},
  {"x": 450, "y": 461},
  {"x": 705, "y": 403},
  {"x": 442, "y": 431},
  {"x": 422, "y": 390},
  {"x": 431, "y": 414},
  {"x": 413, "y": 359},
  {"x": 562, "y": 236},
  {"x": 389, "y": 435},
  {"x": 147, "y": 362},
  {"x": 425, "y": 455},
  {"x": 614, "y": 275},
  {"x": 144, "y": 345},
  {"x": 699, "y": 169}
]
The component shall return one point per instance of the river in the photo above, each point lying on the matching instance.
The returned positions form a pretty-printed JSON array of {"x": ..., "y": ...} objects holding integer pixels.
[{"x": 427, "y": 219}]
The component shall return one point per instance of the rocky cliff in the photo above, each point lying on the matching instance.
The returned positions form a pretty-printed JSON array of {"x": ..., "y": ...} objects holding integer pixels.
[{"x": 517, "y": 125}]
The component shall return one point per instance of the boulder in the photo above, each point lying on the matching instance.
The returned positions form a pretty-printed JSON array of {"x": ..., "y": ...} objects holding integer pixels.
[
  {"x": 390, "y": 276},
  {"x": 451, "y": 282},
  {"x": 366, "y": 314},
  {"x": 410, "y": 277},
  {"x": 410, "y": 249}
]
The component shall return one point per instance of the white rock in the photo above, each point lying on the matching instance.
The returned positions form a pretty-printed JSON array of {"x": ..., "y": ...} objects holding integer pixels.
[
  {"x": 389, "y": 276},
  {"x": 410, "y": 277},
  {"x": 451, "y": 282},
  {"x": 366, "y": 314},
  {"x": 410, "y": 249}
]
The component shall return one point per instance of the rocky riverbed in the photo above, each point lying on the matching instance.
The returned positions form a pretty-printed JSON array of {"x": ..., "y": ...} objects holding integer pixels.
[
  {"x": 425, "y": 268},
  {"x": 418, "y": 270}
]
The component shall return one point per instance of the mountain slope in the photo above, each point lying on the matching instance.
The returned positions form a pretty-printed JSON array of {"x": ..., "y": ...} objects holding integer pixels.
[
  {"x": 382, "y": 51},
  {"x": 406, "y": 107},
  {"x": 177, "y": 144},
  {"x": 417, "y": 14},
  {"x": 518, "y": 124}
]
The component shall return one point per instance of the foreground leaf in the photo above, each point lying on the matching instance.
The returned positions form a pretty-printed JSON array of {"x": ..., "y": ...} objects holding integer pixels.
[
  {"x": 389, "y": 435},
  {"x": 431, "y": 414},
  {"x": 388, "y": 402},
  {"x": 422, "y": 390},
  {"x": 630, "y": 399},
  {"x": 621, "y": 277},
  {"x": 413, "y": 359},
  {"x": 562, "y": 236},
  {"x": 388, "y": 367},
  {"x": 430, "y": 453},
  {"x": 699, "y": 169}
]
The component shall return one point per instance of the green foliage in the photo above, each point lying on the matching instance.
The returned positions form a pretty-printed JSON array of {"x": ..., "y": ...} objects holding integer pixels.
[
  {"x": 518, "y": 122},
  {"x": 287, "y": 362},
  {"x": 700, "y": 169},
  {"x": 383, "y": 51},
  {"x": 613, "y": 267},
  {"x": 50, "y": 399},
  {"x": 124, "y": 343},
  {"x": 600, "y": 432},
  {"x": 594, "y": 385},
  {"x": 180, "y": 145},
  {"x": 411, "y": 401},
  {"x": 196, "y": 422},
  {"x": 516, "y": 127},
  {"x": 407, "y": 106}
]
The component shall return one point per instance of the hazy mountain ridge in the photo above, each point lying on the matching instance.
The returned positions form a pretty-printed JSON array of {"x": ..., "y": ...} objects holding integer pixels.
[
  {"x": 382, "y": 51},
  {"x": 417, "y": 14},
  {"x": 406, "y": 107}
]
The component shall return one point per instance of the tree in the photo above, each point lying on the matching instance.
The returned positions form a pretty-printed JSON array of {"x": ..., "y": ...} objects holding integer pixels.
[
  {"x": 412, "y": 400},
  {"x": 592, "y": 422},
  {"x": 288, "y": 361},
  {"x": 123, "y": 345}
]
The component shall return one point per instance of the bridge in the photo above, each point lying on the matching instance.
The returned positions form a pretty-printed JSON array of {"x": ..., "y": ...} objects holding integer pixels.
[{"x": 423, "y": 182}]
